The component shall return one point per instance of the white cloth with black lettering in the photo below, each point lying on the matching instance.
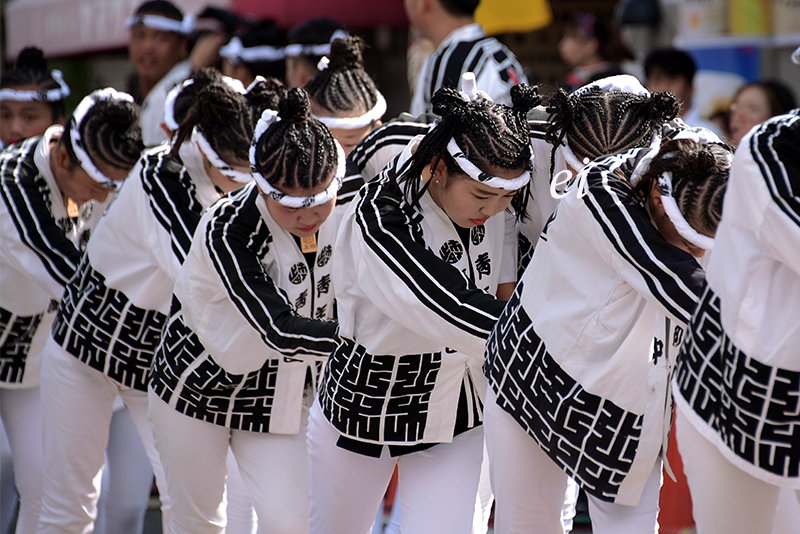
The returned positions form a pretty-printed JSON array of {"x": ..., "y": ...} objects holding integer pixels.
[
  {"x": 468, "y": 49},
  {"x": 738, "y": 377},
  {"x": 581, "y": 356}
]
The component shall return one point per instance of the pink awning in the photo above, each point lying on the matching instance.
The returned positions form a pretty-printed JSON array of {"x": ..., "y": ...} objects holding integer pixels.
[{"x": 351, "y": 13}]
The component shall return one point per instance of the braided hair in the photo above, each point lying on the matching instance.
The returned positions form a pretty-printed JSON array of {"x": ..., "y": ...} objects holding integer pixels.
[
  {"x": 297, "y": 150},
  {"x": 263, "y": 94},
  {"x": 109, "y": 132},
  {"x": 222, "y": 115},
  {"x": 30, "y": 70},
  {"x": 188, "y": 94},
  {"x": 699, "y": 176},
  {"x": 489, "y": 134},
  {"x": 598, "y": 123},
  {"x": 344, "y": 85}
]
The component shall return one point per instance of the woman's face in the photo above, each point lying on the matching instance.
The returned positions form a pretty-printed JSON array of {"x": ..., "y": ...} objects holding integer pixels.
[
  {"x": 302, "y": 222},
  {"x": 21, "y": 120},
  {"x": 749, "y": 107},
  {"x": 466, "y": 201},
  {"x": 75, "y": 183}
]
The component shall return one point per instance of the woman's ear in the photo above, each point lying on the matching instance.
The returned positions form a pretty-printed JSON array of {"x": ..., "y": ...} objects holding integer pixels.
[
  {"x": 656, "y": 204},
  {"x": 62, "y": 159}
]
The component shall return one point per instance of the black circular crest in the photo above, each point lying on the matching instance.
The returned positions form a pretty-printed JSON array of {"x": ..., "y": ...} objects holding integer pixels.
[
  {"x": 451, "y": 251},
  {"x": 477, "y": 234},
  {"x": 324, "y": 256},
  {"x": 298, "y": 272}
]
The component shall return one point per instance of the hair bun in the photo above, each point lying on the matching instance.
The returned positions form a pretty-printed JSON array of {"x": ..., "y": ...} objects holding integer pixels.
[
  {"x": 525, "y": 97},
  {"x": 295, "y": 106},
  {"x": 662, "y": 107},
  {"x": 448, "y": 102},
  {"x": 265, "y": 93},
  {"x": 31, "y": 59},
  {"x": 346, "y": 54}
]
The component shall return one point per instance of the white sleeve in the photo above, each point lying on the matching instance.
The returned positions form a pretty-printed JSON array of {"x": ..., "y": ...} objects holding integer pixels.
[{"x": 508, "y": 269}]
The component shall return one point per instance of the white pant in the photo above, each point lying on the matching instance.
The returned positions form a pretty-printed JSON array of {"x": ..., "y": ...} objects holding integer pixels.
[
  {"x": 437, "y": 486},
  {"x": 724, "y": 498},
  {"x": 77, "y": 405},
  {"x": 274, "y": 468},
  {"x": 531, "y": 492},
  {"x": 127, "y": 479},
  {"x": 21, "y": 412}
]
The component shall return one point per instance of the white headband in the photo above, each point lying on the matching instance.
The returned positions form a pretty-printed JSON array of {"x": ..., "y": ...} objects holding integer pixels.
[
  {"x": 796, "y": 56},
  {"x": 676, "y": 217},
  {"x": 75, "y": 135},
  {"x": 205, "y": 147},
  {"x": 49, "y": 95},
  {"x": 298, "y": 50},
  {"x": 235, "y": 52},
  {"x": 268, "y": 118},
  {"x": 622, "y": 82},
  {"x": 353, "y": 123},
  {"x": 172, "y": 96},
  {"x": 699, "y": 135},
  {"x": 162, "y": 23},
  {"x": 508, "y": 184}
]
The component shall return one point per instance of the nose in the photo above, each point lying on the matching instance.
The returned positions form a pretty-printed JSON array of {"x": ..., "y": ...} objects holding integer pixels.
[{"x": 17, "y": 127}]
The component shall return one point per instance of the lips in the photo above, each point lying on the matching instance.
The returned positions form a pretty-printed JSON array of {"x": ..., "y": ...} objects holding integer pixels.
[
  {"x": 308, "y": 228},
  {"x": 478, "y": 222}
]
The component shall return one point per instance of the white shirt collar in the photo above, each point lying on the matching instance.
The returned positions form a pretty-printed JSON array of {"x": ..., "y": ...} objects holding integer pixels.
[{"x": 41, "y": 158}]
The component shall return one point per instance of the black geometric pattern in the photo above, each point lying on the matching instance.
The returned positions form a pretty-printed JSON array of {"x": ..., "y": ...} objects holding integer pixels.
[
  {"x": 354, "y": 393},
  {"x": 589, "y": 437},
  {"x": 208, "y": 391},
  {"x": 17, "y": 333},
  {"x": 101, "y": 327},
  {"x": 755, "y": 408}
]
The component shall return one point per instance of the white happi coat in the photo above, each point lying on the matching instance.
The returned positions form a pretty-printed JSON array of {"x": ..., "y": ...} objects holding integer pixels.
[
  {"x": 581, "y": 356},
  {"x": 415, "y": 308},
  {"x": 39, "y": 252},
  {"x": 738, "y": 375}
]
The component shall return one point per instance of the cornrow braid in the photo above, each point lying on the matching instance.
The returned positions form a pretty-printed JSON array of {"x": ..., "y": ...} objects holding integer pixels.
[
  {"x": 188, "y": 95},
  {"x": 110, "y": 134},
  {"x": 344, "y": 85},
  {"x": 298, "y": 150},
  {"x": 30, "y": 69},
  {"x": 598, "y": 123},
  {"x": 699, "y": 176},
  {"x": 490, "y": 135},
  {"x": 263, "y": 94},
  {"x": 222, "y": 115}
]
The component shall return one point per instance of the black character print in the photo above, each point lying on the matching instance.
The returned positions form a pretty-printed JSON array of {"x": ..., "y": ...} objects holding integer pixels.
[
  {"x": 298, "y": 272},
  {"x": 677, "y": 337},
  {"x": 324, "y": 285},
  {"x": 321, "y": 312},
  {"x": 84, "y": 240},
  {"x": 483, "y": 264},
  {"x": 451, "y": 251},
  {"x": 301, "y": 300},
  {"x": 658, "y": 349},
  {"x": 324, "y": 256},
  {"x": 477, "y": 234}
]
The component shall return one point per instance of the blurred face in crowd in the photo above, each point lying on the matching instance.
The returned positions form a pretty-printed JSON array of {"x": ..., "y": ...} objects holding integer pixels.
[
  {"x": 576, "y": 49},
  {"x": 660, "y": 81},
  {"x": 21, "y": 120},
  {"x": 750, "y": 107},
  {"x": 154, "y": 52}
]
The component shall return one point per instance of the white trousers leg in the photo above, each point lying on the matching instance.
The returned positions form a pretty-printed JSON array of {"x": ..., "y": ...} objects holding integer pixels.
[
  {"x": 437, "y": 486},
  {"x": 532, "y": 494},
  {"x": 272, "y": 466},
  {"x": 239, "y": 511},
  {"x": 127, "y": 479},
  {"x": 21, "y": 412},
  {"x": 77, "y": 405},
  {"x": 724, "y": 498},
  {"x": 610, "y": 518}
]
